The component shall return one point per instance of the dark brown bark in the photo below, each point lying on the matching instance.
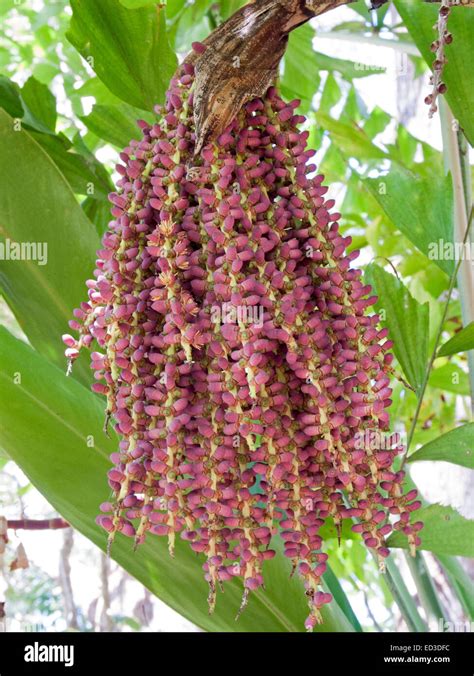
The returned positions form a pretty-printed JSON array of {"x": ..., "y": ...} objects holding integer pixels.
[
  {"x": 37, "y": 524},
  {"x": 241, "y": 59}
]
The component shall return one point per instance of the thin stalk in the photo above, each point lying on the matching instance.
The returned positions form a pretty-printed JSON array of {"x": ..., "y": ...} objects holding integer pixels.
[
  {"x": 452, "y": 284},
  {"x": 457, "y": 162},
  {"x": 426, "y": 591},
  {"x": 403, "y": 597}
]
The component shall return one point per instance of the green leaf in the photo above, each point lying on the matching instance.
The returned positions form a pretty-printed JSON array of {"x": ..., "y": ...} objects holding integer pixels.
[
  {"x": 450, "y": 378},
  {"x": 52, "y": 428},
  {"x": 38, "y": 114},
  {"x": 333, "y": 165},
  {"x": 302, "y": 66},
  {"x": 135, "y": 4},
  {"x": 407, "y": 321},
  {"x": 228, "y": 7},
  {"x": 12, "y": 101},
  {"x": 458, "y": 74},
  {"x": 421, "y": 208},
  {"x": 445, "y": 532},
  {"x": 377, "y": 122},
  {"x": 40, "y": 101},
  {"x": 298, "y": 81},
  {"x": 37, "y": 203},
  {"x": 83, "y": 174},
  {"x": 98, "y": 212},
  {"x": 331, "y": 94},
  {"x": 114, "y": 124},
  {"x": 189, "y": 22},
  {"x": 127, "y": 48},
  {"x": 340, "y": 596},
  {"x": 460, "y": 342},
  {"x": 460, "y": 581},
  {"x": 329, "y": 531},
  {"x": 348, "y": 69},
  {"x": 350, "y": 138},
  {"x": 101, "y": 172},
  {"x": 354, "y": 110},
  {"x": 456, "y": 446},
  {"x": 96, "y": 88}
]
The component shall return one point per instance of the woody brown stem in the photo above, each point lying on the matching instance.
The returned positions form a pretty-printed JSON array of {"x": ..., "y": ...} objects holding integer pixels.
[
  {"x": 37, "y": 524},
  {"x": 239, "y": 60}
]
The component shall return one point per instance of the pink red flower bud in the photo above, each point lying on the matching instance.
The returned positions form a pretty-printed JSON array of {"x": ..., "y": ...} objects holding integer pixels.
[{"x": 236, "y": 354}]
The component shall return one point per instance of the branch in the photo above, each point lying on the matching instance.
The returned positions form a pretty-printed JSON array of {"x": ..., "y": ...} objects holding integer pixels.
[
  {"x": 239, "y": 60},
  {"x": 37, "y": 524}
]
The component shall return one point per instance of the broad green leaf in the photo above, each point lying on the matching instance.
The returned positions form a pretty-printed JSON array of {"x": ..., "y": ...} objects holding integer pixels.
[
  {"x": 405, "y": 147},
  {"x": 10, "y": 99},
  {"x": 461, "y": 582},
  {"x": 99, "y": 169},
  {"x": 302, "y": 65},
  {"x": 331, "y": 94},
  {"x": 38, "y": 116},
  {"x": 456, "y": 446},
  {"x": 37, "y": 206},
  {"x": 421, "y": 208},
  {"x": 96, "y": 88},
  {"x": 445, "y": 532},
  {"x": 127, "y": 48},
  {"x": 98, "y": 212},
  {"x": 40, "y": 101},
  {"x": 460, "y": 342},
  {"x": 450, "y": 378},
  {"x": 52, "y": 428},
  {"x": 354, "y": 110},
  {"x": 6, "y": 6},
  {"x": 407, "y": 322},
  {"x": 377, "y": 122},
  {"x": 348, "y": 69},
  {"x": 114, "y": 124},
  {"x": 340, "y": 596},
  {"x": 333, "y": 165},
  {"x": 135, "y": 4},
  {"x": 329, "y": 531},
  {"x": 83, "y": 174},
  {"x": 228, "y": 7},
  {"x": 458, "y": 74},
  {"x": 190, "y": 22},
  {"x": 44, "y": 72},
  {"x": 350, "y": 138},
  {"x": 298, "y": 81}
]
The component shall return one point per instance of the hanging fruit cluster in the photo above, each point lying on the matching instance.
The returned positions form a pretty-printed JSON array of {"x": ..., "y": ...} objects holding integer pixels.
[
  {"x": 438, "y": 48},
  {"x": 236, "y": 355}
]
